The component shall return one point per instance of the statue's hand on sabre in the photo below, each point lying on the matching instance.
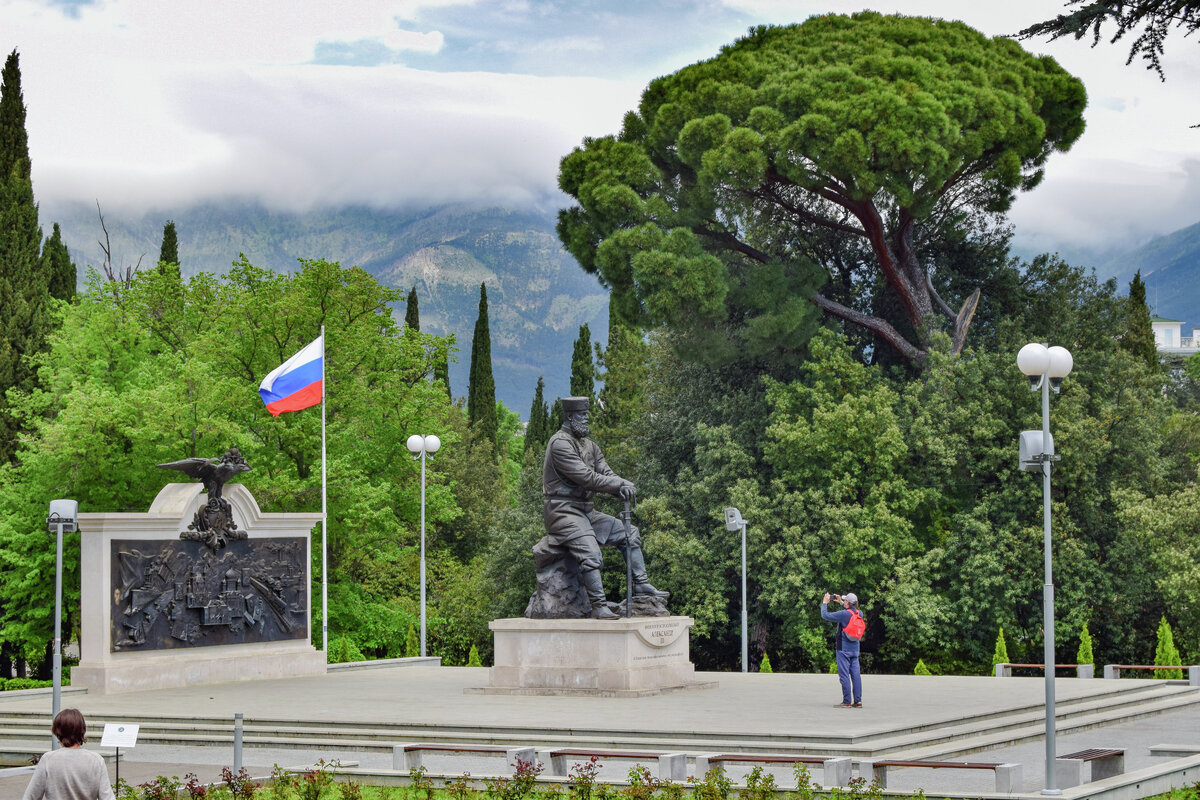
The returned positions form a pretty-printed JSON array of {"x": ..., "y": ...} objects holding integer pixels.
[{"x": 627, "y": 492}]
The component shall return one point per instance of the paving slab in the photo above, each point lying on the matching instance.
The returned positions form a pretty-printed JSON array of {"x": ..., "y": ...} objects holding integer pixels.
[{"x": 802, "y": 706}]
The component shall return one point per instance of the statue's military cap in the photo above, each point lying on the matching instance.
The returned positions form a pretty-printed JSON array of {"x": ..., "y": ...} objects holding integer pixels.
[{"x": 570, "y": 404}]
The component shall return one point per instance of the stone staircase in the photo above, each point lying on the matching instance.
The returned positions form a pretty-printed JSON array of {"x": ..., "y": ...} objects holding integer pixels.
[{"x": 24, "y": 733}]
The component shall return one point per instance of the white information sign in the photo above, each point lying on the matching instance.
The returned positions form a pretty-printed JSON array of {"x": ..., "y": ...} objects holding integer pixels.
[{"x": 119, "y": 734}]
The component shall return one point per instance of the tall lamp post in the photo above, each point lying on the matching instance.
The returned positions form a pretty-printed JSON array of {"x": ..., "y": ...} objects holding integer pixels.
[
  {"x": 61, "y": 519},
  {"x": 420, "y": 446},
  {"x": 733, "y": 522},
  {"x": 1045, "y": 367}
]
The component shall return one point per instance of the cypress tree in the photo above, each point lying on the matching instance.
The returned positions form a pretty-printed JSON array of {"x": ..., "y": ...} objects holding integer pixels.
[
  {"x": 1166, "y": 654},
  {"x": 441, "y": 372},
  {"x": 920, "y": 668},
  {"x": 583, "y": 369},
  {"x": 1000, "y": 654},
  {"x": 14, "y": 139},
  {"x": 412, "y": 317},
  {"x": 538, "y": 432},
  {"x": 1084, "y": 654},
  {"x": 168, "y": 253},
  {"x": 58, "y": 266},
  {"x": 481, "y": 393},
  {"x": 625, "y": 365},
  {"x": 24, "y": 288},
  {"x": 1138, "y": 339}
]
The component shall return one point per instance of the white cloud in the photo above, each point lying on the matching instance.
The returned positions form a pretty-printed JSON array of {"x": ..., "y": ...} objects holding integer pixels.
[{"x": 142, "y": 103}]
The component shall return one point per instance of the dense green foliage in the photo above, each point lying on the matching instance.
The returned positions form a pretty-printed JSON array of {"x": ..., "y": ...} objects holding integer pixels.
[
  {"x": 839, "y": 142},
  {"x": 132, "y": 380},
  {"x": 905, "y": 490},
  {"x": 720, "y": 384}
]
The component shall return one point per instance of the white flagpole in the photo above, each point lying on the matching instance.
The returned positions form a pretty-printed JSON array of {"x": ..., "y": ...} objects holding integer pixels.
[{"x": 324, "y": 518}]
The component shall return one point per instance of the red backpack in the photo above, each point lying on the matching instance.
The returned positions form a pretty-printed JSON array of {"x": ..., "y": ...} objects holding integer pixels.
[{"x": 856, "y": 627}]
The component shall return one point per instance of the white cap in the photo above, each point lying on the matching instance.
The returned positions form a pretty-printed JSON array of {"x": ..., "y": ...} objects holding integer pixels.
[{"x": 851, "y": 598}]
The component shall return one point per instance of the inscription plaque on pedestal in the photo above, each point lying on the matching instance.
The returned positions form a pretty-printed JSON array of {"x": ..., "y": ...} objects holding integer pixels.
[{"x": 627, "y": 657}]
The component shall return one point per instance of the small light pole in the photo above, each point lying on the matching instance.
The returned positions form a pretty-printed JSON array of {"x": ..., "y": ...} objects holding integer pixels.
[
  {"x": 63, "y": 514},
  {"x": 1045, "y": 367},
  {"x": 420, "y": 446},
  {"x": 733, "y": 522}
]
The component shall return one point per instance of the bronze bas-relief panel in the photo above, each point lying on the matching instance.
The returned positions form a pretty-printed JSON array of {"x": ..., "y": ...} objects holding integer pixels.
[{"x": 173, "y": 593}]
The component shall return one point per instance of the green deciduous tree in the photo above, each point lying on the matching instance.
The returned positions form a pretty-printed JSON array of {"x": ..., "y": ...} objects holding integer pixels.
[
  {"x": 481, "y": 392},
  {"x": 125, "y": 389},
  {"x": 855, "y": 132}
]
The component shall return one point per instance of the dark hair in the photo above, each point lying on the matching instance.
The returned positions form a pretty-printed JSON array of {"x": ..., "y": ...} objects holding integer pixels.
[{"x": 69, "y": 727}]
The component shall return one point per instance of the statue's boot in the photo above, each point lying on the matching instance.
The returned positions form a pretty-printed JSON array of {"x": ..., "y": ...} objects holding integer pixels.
[
  {"x": 595, "y": 592},
  {"x": 641, "y": 582}
]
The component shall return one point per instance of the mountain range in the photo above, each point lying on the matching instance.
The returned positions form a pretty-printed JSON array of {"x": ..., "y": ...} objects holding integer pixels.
[
  {"x": 538, "y": 297},
  {"x": 1170, "y": 267}
]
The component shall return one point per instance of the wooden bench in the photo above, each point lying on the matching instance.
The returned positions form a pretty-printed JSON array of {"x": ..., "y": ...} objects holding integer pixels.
[
  {"x": 671, "y": 766},
  {"x": 834, "y": 771},
  {"x": 1105, "y": 764},
  {"x": 1004, "y": 670},
  {"x": 1008, "y": 776},
  {"x": 1114, "y": 671},
  {"x": 408, "y": 756}
]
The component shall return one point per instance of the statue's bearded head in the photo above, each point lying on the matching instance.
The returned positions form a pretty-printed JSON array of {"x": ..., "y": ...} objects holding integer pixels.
[{"x": 577, "y": 424}]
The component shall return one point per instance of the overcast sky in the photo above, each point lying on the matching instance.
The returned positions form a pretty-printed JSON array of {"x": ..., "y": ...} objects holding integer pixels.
[{"x": 148, "y": 105}]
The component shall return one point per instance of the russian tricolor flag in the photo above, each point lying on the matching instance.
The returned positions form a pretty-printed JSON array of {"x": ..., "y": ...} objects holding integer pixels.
[{"x": 298, "y": 383}]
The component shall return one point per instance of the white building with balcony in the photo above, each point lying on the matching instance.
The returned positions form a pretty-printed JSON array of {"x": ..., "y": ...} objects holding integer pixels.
[{"x": 1169, "y": 338}]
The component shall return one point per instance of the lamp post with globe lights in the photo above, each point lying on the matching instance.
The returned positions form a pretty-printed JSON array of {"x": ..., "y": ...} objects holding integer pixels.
[
  {"x": 1045, "y": 367},
  {"x": 420, "y": 446}
]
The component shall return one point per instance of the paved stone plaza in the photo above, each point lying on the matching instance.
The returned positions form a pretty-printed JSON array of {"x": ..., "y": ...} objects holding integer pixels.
[{"x": 358, "y": 714}]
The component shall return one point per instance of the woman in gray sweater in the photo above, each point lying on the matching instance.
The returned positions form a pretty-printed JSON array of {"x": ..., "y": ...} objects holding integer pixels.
[{"x": 69, "y": 773}]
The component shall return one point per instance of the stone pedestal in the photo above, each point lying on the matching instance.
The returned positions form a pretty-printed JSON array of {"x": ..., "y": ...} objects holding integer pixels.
[
  {"x": 625, "y": 657},
  {"x": 109, "y": 664}
]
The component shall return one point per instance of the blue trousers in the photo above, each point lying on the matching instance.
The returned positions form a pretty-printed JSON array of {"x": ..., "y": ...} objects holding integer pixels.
[{"x": 848, "y": 675}]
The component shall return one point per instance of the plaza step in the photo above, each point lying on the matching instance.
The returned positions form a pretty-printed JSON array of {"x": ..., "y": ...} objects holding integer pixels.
[{"x": 946, "y": 738}]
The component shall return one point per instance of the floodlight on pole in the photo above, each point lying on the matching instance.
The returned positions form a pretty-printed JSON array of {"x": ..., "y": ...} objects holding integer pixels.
[
  {"x": 733, "y": 522},
  {"x": 61, "y": 519},
  {"x": 1045, "y": 367},
  {"x": 422, "y": 446}
]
